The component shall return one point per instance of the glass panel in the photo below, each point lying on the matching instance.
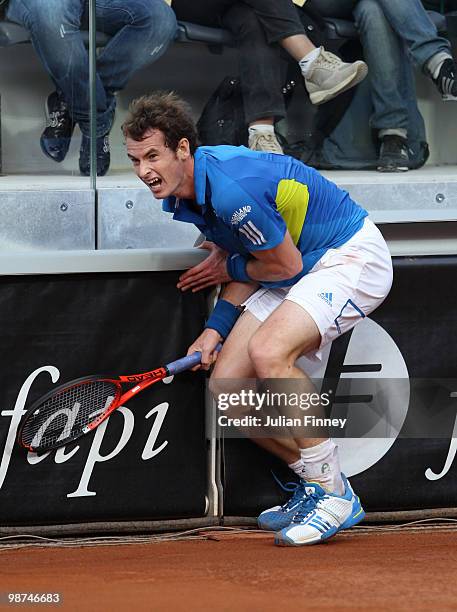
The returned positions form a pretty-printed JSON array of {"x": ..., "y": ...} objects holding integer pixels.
[
  {"x": 141, "y": 58},
  {"x": 133, "y": 58},
  {"x": 45, "y": 197}
]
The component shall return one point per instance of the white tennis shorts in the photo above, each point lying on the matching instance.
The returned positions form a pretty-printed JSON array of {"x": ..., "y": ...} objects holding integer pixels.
[{"x": 344, "y": 286}]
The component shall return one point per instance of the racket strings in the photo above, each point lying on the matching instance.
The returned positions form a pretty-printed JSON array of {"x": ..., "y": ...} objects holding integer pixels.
[{"x": 64, "y": 415}]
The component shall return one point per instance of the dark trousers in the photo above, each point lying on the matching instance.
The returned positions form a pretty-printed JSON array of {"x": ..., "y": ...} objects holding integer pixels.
[{"x": 257, "y": 26}]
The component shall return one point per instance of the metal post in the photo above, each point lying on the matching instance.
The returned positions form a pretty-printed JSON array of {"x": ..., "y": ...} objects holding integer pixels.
[
  {"x": 0, "y": 135},
  {"x": 92, "y": 94}
]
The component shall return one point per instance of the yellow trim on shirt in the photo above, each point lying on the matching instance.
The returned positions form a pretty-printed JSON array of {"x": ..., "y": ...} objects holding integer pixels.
[{"x": 292, "y": 199}]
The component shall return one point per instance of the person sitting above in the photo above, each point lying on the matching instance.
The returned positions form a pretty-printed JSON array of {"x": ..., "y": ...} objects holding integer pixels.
[
  {"x": 140, "y": 33},
  {"x": 262, "y": 28},
  {"x": 402, "y": 30}
]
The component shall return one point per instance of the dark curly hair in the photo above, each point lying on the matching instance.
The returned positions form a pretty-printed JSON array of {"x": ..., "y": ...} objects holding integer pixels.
[{"x": 164, "y": 111}]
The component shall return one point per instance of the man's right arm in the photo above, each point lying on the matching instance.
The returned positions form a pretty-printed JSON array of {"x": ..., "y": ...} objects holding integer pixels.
[{"x": 224, "y": 317}]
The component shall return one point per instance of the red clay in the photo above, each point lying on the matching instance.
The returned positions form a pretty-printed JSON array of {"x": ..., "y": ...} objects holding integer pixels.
[{"x": 357, "y": 571}]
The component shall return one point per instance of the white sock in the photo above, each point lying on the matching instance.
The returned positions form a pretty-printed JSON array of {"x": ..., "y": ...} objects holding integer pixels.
[
  {"x": 437, "y": 70},
  {"x": 305, "y": 62},
  {"x": 299, "y": 468},
  {"x": 322, "y": 465},
  {"x": 261, "y": 128},
  {"x": 393, "y": 132},
  {"x": 433, "y": 66}
]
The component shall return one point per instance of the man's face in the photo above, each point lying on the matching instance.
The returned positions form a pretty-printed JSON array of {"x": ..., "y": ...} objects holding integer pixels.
[{"x": 164, "y": 171}]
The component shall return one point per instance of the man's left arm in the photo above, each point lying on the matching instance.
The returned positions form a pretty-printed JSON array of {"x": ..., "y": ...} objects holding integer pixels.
[{"x": 282, "y": 262}]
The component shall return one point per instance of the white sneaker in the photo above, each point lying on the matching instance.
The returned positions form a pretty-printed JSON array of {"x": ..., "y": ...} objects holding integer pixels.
[
  {"x": 329, "y": 76},
  {"x": 322, "y": 516},
  {"x": 266, "y": 142}
]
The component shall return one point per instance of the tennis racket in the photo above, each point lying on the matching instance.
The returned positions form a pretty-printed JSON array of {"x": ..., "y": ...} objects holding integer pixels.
[{"x": 79, "y": 406}]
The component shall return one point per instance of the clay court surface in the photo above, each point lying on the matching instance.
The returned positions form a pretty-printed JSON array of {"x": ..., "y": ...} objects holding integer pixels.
[{"x": 357, "y": 570}]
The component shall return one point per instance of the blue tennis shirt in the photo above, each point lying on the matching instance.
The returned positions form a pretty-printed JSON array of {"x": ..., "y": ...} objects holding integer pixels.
[{"x": 249, "y": 199}]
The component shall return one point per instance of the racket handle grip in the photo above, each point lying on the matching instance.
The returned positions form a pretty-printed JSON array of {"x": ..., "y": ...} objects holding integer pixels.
[{"x": 185, "y": 363}]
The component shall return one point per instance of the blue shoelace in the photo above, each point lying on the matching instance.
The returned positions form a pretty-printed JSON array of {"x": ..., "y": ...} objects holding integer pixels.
[
  {"x": 309, "y": 504},
  {"x": 298, "y": 489},
  {"x": 299, "y": 492}
]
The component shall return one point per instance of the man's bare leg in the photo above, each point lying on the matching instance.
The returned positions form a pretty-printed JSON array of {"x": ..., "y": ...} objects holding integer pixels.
[
  {"x": 232, "y": 366},
  {"x": 252, "y": 350},
  {"x": 273, "y": 350}
]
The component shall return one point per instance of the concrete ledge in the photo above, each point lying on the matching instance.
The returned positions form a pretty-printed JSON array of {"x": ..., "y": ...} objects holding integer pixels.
[
  {"x": 427, "y": 194},
  {"x": 124, "y": 214},
  {"x": 76, "y": 262}
]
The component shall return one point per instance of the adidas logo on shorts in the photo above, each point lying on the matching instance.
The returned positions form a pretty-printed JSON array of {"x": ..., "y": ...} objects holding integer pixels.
[{"x": 327, "y": 297}]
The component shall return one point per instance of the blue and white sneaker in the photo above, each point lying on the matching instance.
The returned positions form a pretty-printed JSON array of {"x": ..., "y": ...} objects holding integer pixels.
[
  {"x": 321, "y": 516},
  {"x": 278, "y": 517}
]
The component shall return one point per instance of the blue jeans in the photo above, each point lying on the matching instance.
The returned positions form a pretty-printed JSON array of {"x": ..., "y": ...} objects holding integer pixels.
[
  {"x": 140, "y": 32},
  {"x": 405, "y": 30},
  {"x": 409, "y": 20},
  {"x": 391, "y": 32}
]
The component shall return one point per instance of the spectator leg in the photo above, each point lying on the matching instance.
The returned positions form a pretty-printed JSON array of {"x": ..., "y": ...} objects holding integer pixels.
[
  {"x": 279, "y": 19},
  {"x": 261, "y": 66},
  {"x": 282, "y": 25},
  {"x": 340, "y": 9},
  {"x": 54, "y": 27},
  {"x": 204, "y": 12},
  {"x": 386, "y": 69},
  {"x": 141, "y": 32},
  {"x": 411, "y": 22}
]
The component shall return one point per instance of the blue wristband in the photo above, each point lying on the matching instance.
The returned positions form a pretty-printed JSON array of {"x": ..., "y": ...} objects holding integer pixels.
[
  {"x": 223, "y": 317},
  {"x": 236, "y": 268}
]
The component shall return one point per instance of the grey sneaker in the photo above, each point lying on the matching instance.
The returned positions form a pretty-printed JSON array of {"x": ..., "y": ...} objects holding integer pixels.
[
  {"x": 266, "y": 142},
  {"x": 330, "y": 76}
]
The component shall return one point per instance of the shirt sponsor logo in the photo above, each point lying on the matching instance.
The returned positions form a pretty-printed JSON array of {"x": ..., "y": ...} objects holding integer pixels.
[{"x": 240, "y": 214}]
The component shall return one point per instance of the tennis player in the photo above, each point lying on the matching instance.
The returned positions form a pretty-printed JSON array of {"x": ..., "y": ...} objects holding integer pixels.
[{"x": 293, "y": 251}]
